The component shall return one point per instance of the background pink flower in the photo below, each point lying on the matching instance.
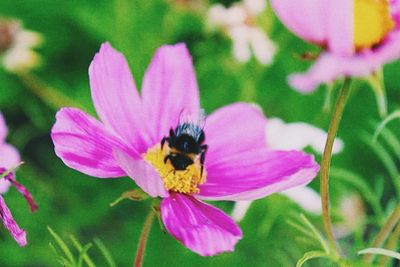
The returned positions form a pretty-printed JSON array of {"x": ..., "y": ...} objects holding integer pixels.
[
  {"x": 343, "y": 28},
  {"x": 9, "y": 157}
]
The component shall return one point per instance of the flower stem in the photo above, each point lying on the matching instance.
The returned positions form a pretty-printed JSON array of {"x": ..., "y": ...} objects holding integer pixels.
[
  {"x": 384, "y": 232},
  {"x": 47, "y": 94},
  {"x": 391, "y": 244},
  {"x": 143, "y": 239},
  {"x": 326, "y": 160}
]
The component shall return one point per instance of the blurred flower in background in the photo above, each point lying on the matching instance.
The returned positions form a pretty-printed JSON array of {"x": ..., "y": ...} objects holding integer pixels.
[
  {"x": 358, "y": 37},
  {"x": 9, "y": 158},
  {"x": 352, "y": 213},
  {"x": 240, "y": 23},
  {"x": 293, "y": 136},
  {"x": 16, "y": 46}
]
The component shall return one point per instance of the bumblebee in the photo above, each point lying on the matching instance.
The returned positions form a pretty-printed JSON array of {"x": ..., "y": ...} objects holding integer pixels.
[{"x": 186, "y": 144}]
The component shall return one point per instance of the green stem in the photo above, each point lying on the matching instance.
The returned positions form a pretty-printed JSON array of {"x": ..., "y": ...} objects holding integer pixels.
[
  {"x": 47, "y": 94},
  {"x": 391, "y": 244},
  {"x": 143, "y": 239},
  {"x": 325, "y": 164},
  {"x": 384, "y": 233}
]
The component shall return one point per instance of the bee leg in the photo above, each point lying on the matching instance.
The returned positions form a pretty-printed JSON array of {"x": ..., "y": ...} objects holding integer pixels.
[
  {"x": 163, "y": 142},
  {"x": 166, "y": 158},
  {"x": 172, "y": 133},
  {"x": 202, "y": 158}
]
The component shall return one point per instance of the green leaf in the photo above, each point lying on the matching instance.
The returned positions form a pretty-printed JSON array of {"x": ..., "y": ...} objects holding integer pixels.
[
  {"x": 63, "y": 246},
  {"x": 60, "y": 259},
  {"x": 392, "y": 140},
  {"x": 80, "y": 249},
  {"x": 359, "y": 183},
  {"x": 382, "y": 125},
  {"x": 316, "y": 233},
  {"x": 311, "y": 255},
  {"x": 105, "y": 252},
  {"x": 386, "y": 160},
  {"x": 380, "y": 251},
  {"x": 134, "y": 195},
  {"x": 11, "y": 170},
  {"x": 83, "y": 254}
]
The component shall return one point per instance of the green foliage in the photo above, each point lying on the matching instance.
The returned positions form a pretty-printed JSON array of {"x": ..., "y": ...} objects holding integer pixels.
[
  {"x": 67, "y": 257},
  {"x": 380, "y": 251},
  {"x": 71, "y": 202}
]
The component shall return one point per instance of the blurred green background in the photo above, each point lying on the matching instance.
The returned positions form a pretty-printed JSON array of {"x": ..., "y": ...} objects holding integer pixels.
[{"x": 72, "y": 203}]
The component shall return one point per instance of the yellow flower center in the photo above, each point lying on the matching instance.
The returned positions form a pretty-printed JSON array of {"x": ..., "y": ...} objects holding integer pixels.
[
  {"x": 182, "y": 181},
  {"x": 372, "y": 22}
]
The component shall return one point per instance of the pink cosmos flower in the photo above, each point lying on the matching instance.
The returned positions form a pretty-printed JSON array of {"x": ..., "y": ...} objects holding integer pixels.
[
  {"x": 9, "y": 157},
  {"x": 359, "y": 36},
  {"x": 126, "y": 142}
]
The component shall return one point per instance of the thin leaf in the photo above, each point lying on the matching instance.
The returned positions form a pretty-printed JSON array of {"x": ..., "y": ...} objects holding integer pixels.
[
  {"x": 105, "y": 252},
  {"x": 311, "y": 255},
  {"x": 78, "y": 246},
  {"x": 60, "y": 259},
  {"x": 382, "y": 125},
  {"x": 359, "y": 183},
  {"x": 302, "y": 229},
  {"x": 380, "y": 251},
  {"x": 134, "y": 195},
  {"x": 386, "y": 160},
  {"x": 316, "y": 233},
  {"x": 12, "y": 169},
  {"x": 62, "y": 245},
  {"x": 392, "y": 140},
  {"x": 83, "y": 254}
]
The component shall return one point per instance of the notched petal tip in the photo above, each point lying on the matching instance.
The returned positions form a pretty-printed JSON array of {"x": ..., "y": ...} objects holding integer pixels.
[{"x": 200, "y": 227}]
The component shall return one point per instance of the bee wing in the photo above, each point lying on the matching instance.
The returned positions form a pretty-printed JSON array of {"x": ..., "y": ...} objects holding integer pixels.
[{"x": 191, "y": 123}]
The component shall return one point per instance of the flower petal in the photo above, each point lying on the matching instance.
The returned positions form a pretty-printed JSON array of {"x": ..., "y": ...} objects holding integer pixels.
[
  {"x": 3, "y": 129},
  {"x": 115, "y": 97},
  {"x": 23, "y": 191},
  {"x": 200, "y": 227},
  {"x": 84, "y": 144},
  {"x": 9, "y": 157},
  {"x": 340, "y": 26},
  {"x": 8, "y": 221},
  {"x": 256, "y": 173},
  {"x": 169, "y": 87},
  {"x": 330, "y": 67},
  {"x": 306, "y": 18},
  {"x": 145, "y": 176},
  {"x": 234, "y": 129}
]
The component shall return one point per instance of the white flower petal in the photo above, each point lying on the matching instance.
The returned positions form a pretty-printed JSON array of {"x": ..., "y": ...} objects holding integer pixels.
[
  {"x": 255, "y": 7},
  {"x": 240, "y": 210},
  {"x": 297, "y": 136},
  {"x": 264, "y": 49},
  {"x": 305, "y": 197}
]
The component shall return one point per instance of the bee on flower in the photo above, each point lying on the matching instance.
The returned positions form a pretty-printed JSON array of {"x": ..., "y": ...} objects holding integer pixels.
[
  {"x": 161, "y": 139},
  {"x": 16, "y": 46},
  {"x": 240, "y": 23}
]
